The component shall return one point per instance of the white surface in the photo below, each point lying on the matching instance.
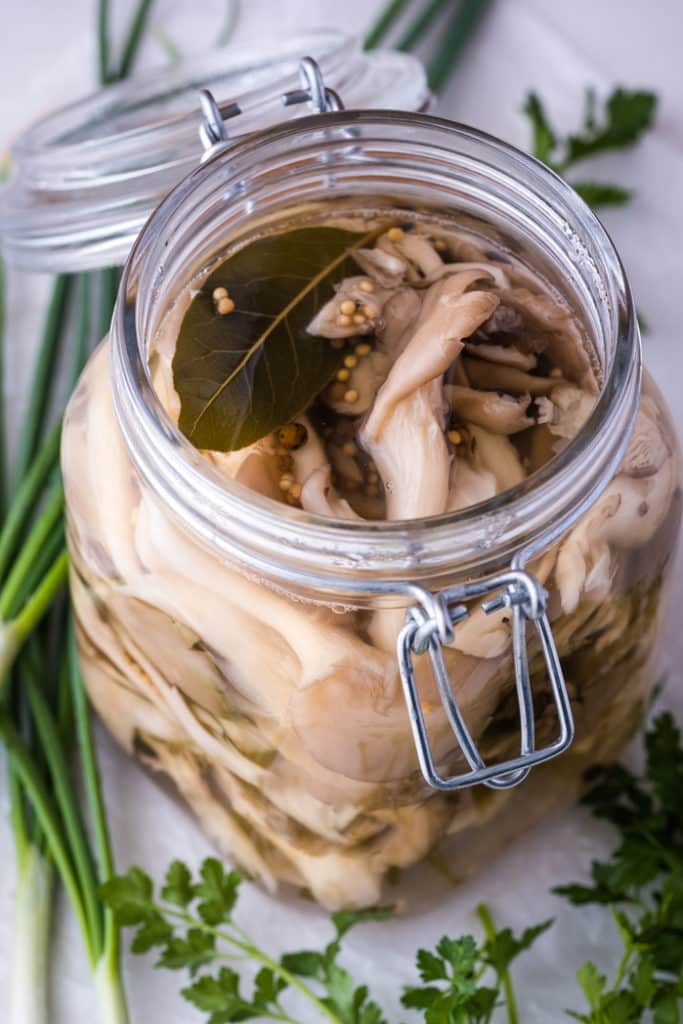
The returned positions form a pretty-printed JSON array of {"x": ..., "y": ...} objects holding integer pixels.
[{"x": 47, "y": 56}]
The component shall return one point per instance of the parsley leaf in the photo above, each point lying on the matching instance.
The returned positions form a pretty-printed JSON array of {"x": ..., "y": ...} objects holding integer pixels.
[
  {"x": 642, "y": 883},
  {"x": 626, "y": 116}
]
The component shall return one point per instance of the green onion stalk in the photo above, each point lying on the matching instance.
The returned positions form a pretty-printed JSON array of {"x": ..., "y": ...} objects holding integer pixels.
[
  {"x": 44, "y": 721},
  {"x": 460, "y": 20}
]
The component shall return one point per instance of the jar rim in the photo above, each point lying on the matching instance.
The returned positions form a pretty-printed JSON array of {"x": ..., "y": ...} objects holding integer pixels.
[{"x": 294, "y": 548}]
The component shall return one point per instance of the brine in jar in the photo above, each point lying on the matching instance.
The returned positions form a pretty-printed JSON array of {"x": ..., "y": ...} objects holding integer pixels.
[{"x": 373, "y": 365}]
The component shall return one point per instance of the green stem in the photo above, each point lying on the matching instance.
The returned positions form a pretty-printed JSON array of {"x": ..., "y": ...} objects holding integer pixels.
[
  {"x": 74, "y": 830},
  {"x": 484, "y": 915},
  {"x": 32, "y": 905},
  {"x": 109, "y": 282},
  {"x": 91, "y": 772},
  {"x": 45, "y": 813},
  {"x": 415, "y": 32},
  {"x": 93, "y": 789},
  {"x": 44, "y": 559},
  {"x": 625, "y": 961},
  {"x": 384, "y": 22},
  {"x": 49, "y": 518},
  {"x": 134, "y": 37},
  {"x": 111, "y": 994},
  {"x": 103, "y": 41},
  {"x": 3, "y": 438},
  {"x": 43, "y": 378},
  {"x": 14, "y": 634},
  {"x": 27, "y": 496},
  {"x": 461, "y": 27},
  {"x": 255, "y": 954},
  {"x": 83, "y": 301}
]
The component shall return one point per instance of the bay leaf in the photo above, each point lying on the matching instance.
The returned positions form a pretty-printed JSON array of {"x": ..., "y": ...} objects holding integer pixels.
[{"x": 241, "y": 375}]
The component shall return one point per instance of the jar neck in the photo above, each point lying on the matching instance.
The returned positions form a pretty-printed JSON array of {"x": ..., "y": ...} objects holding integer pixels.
[{"x": 420, "y": 161}]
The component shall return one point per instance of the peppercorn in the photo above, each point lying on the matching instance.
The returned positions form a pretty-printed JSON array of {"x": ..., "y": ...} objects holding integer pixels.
[{"x": 292, "y": 436}]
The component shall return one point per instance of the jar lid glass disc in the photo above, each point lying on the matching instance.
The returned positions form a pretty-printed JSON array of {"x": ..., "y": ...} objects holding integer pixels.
[{"x": 86, "y": 178}]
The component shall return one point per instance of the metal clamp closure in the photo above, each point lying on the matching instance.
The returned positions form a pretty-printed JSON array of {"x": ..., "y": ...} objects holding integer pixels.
[
  {"x": 432, "y": 625},
  {"x": 212, "y": 130}
]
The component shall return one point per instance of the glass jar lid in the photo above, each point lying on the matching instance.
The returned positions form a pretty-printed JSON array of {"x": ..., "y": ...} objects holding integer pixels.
[{"x": 86, "y": 178}]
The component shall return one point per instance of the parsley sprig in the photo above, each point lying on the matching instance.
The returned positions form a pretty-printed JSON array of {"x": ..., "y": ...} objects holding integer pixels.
[
  {"x": 641, "y": 884},
  {"x": 190, "y": 922},
  {"x": 626, "y": 116},
  {"x": 454, "y": 975}
]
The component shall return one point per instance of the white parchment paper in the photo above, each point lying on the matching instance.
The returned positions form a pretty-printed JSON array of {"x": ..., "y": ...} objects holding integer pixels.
[{"x": 47, "y": 57}]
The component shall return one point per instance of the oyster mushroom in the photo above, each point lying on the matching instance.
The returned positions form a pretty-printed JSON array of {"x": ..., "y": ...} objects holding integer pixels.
[
  {"x": 255, "y": 467},
  {"x": 564, "y": 412},
  {"x": 497, "y": 275},
  {"x": 498, "y": 455},
  {"x": 498, "y": 413},
  {"x": 628, "y": 514},
  {"x": 561, "y": 337},
  {"x": 404, "y": 432},
  {"x": 319, "y": 496},
  {"x": 469, "y": 486},
  {"x": 329, "y": 322},
  {"x": 420, "y": 256},
  {"x": 448, "y": 315},
  {"x": 385, "y": 268},
  {"x": 506, "y": 355},
  {"x": 398, "y": 318},
  {"x": 498, "y": 377}
]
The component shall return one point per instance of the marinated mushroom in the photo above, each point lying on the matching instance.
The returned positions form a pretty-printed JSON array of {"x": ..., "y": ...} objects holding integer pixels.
[{"x": 281, "y": 719}]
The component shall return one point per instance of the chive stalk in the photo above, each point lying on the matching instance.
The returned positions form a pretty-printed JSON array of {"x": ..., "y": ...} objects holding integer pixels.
[
  {"x": 40, "y": 715},
  {"x": 460, "y": 29},
  {"x": 134, "y": 38},
  {"x": 384, "y": 23},
  {"x": 422, "y": 23},
  {"x": 43, "y": 376}
]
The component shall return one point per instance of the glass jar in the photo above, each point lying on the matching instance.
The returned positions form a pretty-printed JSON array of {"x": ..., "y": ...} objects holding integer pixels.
[{"x": 225, "y": 638}]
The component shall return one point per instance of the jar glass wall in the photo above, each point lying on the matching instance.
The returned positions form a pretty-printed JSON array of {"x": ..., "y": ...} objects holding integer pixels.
[{"x": 241, "y": 648}]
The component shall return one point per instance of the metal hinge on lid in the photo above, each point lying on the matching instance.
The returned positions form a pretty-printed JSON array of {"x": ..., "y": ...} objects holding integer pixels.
[
  {"x": 321, "y": 99},
  {"x": 430, "y": 627}
]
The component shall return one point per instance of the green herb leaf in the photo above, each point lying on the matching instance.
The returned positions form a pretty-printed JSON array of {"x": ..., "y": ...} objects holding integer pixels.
[
  {"x": 191, "y": 951},
  {"x": 267, "y": 986},
  {"x": 306, "y": 964},
  {"x": 242, "y": 375},
  {"x": 178, "y": 885},
  {"x": 505, "y": 947},
  {"x": 220, "y": 993},
  {"x": 217, "y": 891},
  {"x": 592, "y": 984},
  {"x": 431, "y": 967},
  {"x": 344, "y": 920},
  {"x": 597, "y": 193},
  {"x": 544, "y": 139},
  {"x": 629, "y": 113},
  {"x": 154, "y": 931},
  {"x": 129, "y": 896}
]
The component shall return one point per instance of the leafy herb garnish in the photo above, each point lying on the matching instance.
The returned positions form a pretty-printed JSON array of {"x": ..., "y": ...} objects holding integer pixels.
[
  {"x": 627, "y": 115},
  {"x": 241, "y": 375},
  {"x": 641, "y": 884},
  {"x": 462, "y": 981},
  {"x": 190, "y": 923}
]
